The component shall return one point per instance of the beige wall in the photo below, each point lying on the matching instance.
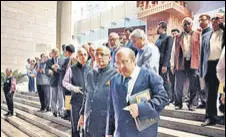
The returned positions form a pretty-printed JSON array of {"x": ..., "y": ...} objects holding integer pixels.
[{"x": 27, "y": 29}]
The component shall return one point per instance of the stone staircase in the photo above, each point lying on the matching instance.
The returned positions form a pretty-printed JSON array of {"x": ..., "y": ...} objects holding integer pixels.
[{"x": 28, "y": 122}]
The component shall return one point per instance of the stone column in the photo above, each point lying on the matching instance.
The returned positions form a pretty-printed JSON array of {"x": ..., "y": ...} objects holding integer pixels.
[{"x": 65, "y": 25}]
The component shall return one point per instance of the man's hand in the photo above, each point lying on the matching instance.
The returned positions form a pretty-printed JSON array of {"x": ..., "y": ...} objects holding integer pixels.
[
  {"x": 172, "y": 69},
  {"x": 108, "y": 136},
  {"x": 164, "y": 69},
  {"x": 80, "y": 121},
  {"x": 134, "y": 111},
  {"x": 223, "y": 99},
  {"x": 50, "y": 72},
  {"x": 77, "y": 89}
]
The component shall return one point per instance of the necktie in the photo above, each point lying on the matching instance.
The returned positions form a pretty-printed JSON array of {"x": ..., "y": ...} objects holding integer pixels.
[
  {"x": 126, "y": 81},
  {"x": 140, "y": 51}
]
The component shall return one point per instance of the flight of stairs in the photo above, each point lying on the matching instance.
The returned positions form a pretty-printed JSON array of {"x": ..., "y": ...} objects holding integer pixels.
[{"x": 28, "y": 122}]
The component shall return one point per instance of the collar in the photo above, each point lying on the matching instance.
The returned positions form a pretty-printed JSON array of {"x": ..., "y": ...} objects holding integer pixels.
[
  {"x": 162, "y": 36},
  {"x": 190, "y": 33},
  {"x": 135, "y": 73},
  {"x": 206, "y": 30},
  {"x": 102, "y": 70}
]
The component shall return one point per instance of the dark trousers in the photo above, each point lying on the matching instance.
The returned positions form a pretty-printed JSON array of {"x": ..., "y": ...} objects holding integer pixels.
[
  {"x": 165, "y": 81},
  {"x": 9, "y": 101},
  {"x": 75, "y": 109},
  {"x": 44, "y": 96},
  {"x": 181, "y": 76},
  {"x": 172, "y": 83},
  {"x": 212, "y": 84},
  {"x": 31, "y": 84}
]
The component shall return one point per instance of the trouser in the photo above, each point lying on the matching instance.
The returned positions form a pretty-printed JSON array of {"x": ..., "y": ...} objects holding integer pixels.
[
  {"x": 172, "y": 83},
  {"x": 75, "y": 109},
  {"x": 31, "y": 84},
  {"x": 181, "y": 76},
  {"x": 212, "y": 84},
  {"x": 44, "y": 96},
  {"x": 165, "y": 81},
  {"x": 57, "y": 100},
  {"x": 9, "y": 100}
]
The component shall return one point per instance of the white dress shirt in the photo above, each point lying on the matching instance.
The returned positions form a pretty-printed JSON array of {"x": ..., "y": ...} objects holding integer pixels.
[{"x": 215, "y": 45}]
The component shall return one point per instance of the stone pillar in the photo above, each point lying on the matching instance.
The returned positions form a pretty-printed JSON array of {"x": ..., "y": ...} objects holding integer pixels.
[{"x": 65, "y": 25}]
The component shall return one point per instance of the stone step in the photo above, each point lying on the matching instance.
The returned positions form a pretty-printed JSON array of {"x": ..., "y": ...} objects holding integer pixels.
[
  {"x": 52, "y": 127},
  {"x": 28, "y": 93},
  {"x": 10, "y": 130},
  {"x": 197, "y": 115},
  {"x": 3, "y": 134},
  {"x": 47, "y": 115},
  {"x": 168, "y": 111},
  {"x": 28, "y": 128},
  {"x": 27, "y": 102},
  {"x": 165, "y": 132},
  {"x": 191, "y": 126},
  {"x": 28, "y": 97}
]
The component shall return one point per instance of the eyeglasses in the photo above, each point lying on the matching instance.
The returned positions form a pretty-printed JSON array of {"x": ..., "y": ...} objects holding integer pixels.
[
  {"x": 202, "y": 20},
  {"x": 187, "y": 24},
  {"x": 101, "y": 54}
]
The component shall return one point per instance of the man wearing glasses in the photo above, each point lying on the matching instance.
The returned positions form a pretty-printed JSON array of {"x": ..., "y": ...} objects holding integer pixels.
[{"x": 94, "y": 109}]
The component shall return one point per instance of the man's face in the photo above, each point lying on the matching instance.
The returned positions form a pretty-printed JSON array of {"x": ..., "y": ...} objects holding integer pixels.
[
  {"x": 174, "y": 33},
  {"x": 102, "y": 59},
  {"x": 125, "y": 64},
  {"x": 203, "y": 22},
  {"x": 127, "y": 34},
  {"x": 215, "y": 24},
  {"x": 137, "y": 42},
  {"x": 92, "y": 51},
  {"x": 113, "y": 41},
  {"x": 66, "y": 53},
  {"x": 187, "y": 26},
  {"x": 160, "y": 30},
  {"x": 7, "y": 72},
  {"x": 82, "y": 57}
]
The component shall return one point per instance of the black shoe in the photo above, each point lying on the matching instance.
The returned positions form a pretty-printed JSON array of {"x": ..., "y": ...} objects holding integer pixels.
[
  {"x": 7, "y": 114},
  {"x": 178, "y": 107},
  {"x": 191, "y": 107},
  {"x": 201, "y": 106},
  {"x": 48, "y": 109},
  {"x": 10, "y": 114},
  {"x": 55, "y": 114},
  {"x": 208, "y": 122}
]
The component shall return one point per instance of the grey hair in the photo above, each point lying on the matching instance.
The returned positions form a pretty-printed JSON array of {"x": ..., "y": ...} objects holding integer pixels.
[
  {"x": 114, "y": 35},
  {"x": 138, "y": 33},
  {"x": 188, "y": 19}
]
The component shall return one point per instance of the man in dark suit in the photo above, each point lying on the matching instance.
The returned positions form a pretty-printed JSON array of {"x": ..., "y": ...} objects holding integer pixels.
[
  {"x": 93, "y": 111},
  {"x": 130, "y": 81},
  {"x": 164, "y": 43}
]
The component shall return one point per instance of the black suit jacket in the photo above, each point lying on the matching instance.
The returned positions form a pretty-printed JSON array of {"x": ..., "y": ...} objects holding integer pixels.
[{"x": 165, "y": 48}]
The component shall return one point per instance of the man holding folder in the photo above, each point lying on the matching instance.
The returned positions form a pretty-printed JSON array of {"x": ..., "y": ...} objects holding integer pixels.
[{"x": 136, "y": 98}]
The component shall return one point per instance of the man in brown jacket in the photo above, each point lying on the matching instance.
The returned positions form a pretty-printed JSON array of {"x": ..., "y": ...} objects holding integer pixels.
[{"x": 187, "y": 55}]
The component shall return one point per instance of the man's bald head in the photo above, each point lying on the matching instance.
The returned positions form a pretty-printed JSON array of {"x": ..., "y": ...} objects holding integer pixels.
[
  {"x": 126, "y": 51},
  {"x": 103, "y": 49}
]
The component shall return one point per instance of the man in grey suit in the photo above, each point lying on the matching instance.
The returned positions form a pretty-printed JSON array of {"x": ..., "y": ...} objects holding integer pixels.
[
  {"x": 43, "y": 84},
  {"x": 53, "y": 70},
  {"x": 148, "y": 54}
]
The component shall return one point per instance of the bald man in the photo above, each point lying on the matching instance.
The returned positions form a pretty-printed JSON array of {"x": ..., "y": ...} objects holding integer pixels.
[
  {"x": 74, "y": 80},
  {"x": 187, "y": 56},
  {"x": 93, "y": 112},
  {"x": 132, "y": 80}
]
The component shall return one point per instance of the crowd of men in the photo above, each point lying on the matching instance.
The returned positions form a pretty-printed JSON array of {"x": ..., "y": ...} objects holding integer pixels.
[{"x": 98, "y": 81}]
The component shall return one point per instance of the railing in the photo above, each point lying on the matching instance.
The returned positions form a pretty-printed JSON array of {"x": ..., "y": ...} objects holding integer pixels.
[{"x": 162, "y": 7}]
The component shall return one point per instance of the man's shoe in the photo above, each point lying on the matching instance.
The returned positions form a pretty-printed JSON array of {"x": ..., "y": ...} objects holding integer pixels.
[
  {"x": 178, "y": 107},
  {"x": 55, "y": 114},
  {"x": 201, "y": 106},
  {"x": 10, "y": 114},
  {"x": 7, "y": 114},
  {"x": 191, "y": 107},
  {"x": 208, "y": 122}
]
